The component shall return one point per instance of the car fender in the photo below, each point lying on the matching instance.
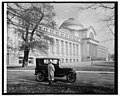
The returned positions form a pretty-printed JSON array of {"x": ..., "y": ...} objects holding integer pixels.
[
  {"x": 72, "y": 71},
  {"x": 37, "y": 71}
]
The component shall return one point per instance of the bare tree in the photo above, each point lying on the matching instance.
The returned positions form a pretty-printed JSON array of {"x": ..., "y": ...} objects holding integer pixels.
[
  {"x": 25, "y": 19},
  {"x": 106, "y": 11}
]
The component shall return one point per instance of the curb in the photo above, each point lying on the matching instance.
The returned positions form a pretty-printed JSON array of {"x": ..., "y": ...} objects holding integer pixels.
[{"x": 103, "y": 72}]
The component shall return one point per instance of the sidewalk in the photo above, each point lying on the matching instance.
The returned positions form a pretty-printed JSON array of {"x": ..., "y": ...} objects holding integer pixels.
[
  {"x": 80, "y": 64},
  {"x": 21, "y": 68},
  {"x": 83, "y": 66},
  {"x": 87, "y": 63},
  {"x": 97, "y": 72}
]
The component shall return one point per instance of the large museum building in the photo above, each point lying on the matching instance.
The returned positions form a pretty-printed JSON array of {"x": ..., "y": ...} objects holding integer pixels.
[{"x": 73, "y": 44}]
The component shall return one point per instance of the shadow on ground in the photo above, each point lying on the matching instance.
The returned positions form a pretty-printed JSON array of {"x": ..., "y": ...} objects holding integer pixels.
[{"x": 59, "y": 86}]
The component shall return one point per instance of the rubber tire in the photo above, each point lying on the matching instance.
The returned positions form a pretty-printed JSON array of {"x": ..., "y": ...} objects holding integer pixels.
[
  {"x": 40, "y": 76},
  {"x": 70, "y": 78}
]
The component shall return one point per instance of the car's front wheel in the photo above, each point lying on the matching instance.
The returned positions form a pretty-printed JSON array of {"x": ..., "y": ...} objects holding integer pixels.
[
  {"x": 40, "y": 76},
  {"x": 71, "y": 77}
]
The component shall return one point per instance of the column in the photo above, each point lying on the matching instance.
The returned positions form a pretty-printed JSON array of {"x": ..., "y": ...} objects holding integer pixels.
[
  {"x": 60, "y": 51},
  {"x": 49, "y": 50},
  {"x": 52, "y": 48},
  {"x": 93, "y": 49},
  {"x": 57, "y": 46},
  {"x": 90, "y": 49},
  {"x": 73, "y": 49},
  {"x": 63, "y": 49},
  {"x": 79, "y": 52},
  {"x": 66, "y": 48},
  {"x": 96, "y": 51},
  {"x": 76, "y": 50},
  {"x": 70, "y": 49}
]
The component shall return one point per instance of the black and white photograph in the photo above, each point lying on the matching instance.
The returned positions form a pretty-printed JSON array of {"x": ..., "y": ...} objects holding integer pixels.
[{"x": 59, "y": 48}]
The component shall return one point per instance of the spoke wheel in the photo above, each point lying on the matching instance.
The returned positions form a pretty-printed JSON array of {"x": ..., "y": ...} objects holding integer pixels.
[
  {"x": 71, "y": 77},
  {"x": 40, "y": 76}
]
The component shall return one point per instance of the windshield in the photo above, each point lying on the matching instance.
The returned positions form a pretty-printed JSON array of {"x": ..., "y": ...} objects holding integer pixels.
[
  {"x": 54, "y": 61},
  {"x": 60, "y": 64}
]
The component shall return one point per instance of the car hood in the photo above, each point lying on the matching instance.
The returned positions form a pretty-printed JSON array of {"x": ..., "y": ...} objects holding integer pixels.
[{"x": 64, "y": 67}]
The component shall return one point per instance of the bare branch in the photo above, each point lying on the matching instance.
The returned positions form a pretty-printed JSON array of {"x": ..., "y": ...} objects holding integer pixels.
[
  {"x": 110, "y": 29},
  {"x": 36, "y": 27},
  {"x": 105, "y": 6},
  {"x": 107, "y": 20}
]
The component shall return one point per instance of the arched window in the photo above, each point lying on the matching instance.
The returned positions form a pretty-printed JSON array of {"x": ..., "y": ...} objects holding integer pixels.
[{"x": 91, "y": 35}]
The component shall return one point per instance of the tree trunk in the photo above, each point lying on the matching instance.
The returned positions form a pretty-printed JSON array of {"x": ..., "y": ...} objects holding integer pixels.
[{"x": 25, "y": 59}]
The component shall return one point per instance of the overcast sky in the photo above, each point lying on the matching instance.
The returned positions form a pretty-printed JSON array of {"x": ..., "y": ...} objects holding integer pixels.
[{"x": 87, "y": 18}]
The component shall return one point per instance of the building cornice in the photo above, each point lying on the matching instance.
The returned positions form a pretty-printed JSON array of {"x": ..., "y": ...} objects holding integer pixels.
[{"x": 90, "y": 39}]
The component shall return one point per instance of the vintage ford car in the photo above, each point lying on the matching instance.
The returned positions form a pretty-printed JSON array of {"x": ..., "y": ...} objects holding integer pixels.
[{"x": 41, "y": 70}]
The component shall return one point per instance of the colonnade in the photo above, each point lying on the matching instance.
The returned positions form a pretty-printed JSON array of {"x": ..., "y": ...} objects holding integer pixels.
[{"x": 64, "y": 48}]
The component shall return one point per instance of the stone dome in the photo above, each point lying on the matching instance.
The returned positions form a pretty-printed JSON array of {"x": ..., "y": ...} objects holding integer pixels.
[{"x": 72, "y": 23}]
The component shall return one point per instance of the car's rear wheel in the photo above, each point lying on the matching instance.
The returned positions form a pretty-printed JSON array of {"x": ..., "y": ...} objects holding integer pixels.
[
  {"x": 40, "y": 76},
  {"x": 71, "y": 77}
]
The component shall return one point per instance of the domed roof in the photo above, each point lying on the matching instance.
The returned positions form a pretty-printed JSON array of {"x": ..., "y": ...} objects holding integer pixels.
[{"x": 71, "y": 23}]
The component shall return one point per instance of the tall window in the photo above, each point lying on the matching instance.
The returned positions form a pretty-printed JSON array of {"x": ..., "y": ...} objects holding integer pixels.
[
  {"x": 73, "y": 49},
  {"x": 30, "y": 60},
  {"x": 66, "y": 47},
  {"x": 57, "y": 46},
  {"x": 76, "y": 49},
  {"x": 52, "y": 49},
  {"x": 70, "y": 49},
  {"x": 62, "y": 48},
  {"x": 20, "y": 60}
]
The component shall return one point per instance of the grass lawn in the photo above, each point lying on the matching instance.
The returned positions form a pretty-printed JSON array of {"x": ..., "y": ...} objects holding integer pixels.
[
  {"x": 39, "y": 88},
  {"x": 86, "y": 83}
]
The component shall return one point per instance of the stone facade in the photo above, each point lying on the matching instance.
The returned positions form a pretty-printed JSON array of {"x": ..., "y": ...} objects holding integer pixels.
[{"x": 73, "y": 44}]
